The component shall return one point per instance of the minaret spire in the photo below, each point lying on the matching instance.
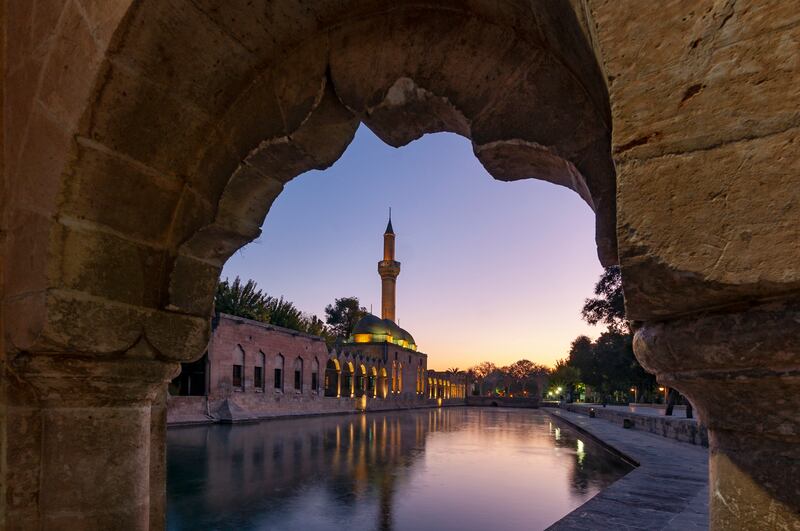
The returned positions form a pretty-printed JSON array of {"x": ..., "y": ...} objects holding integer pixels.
[{"x": 388, "y": 268}]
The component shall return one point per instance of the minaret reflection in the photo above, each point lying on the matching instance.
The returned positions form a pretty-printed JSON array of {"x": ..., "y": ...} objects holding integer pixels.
[{"x": 347, "y": 460}]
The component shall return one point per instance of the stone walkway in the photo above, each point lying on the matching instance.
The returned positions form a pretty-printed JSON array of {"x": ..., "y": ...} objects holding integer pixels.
[{"x": 668, "y": 490}]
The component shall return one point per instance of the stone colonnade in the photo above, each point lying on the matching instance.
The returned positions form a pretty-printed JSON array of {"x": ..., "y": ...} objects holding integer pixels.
[{"x": 144, "y": 142}]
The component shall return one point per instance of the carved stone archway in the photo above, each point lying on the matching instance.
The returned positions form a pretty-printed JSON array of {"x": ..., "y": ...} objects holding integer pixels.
[{"x": 144, "y": 142}]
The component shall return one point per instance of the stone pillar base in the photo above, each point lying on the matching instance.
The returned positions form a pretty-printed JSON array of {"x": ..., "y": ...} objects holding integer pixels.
[
  {"x": 742, "y": 373},
  {"x": 79, "y": 443}
]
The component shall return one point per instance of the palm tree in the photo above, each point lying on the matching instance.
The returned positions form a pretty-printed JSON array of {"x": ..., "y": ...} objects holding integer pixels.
[{"x": 243, "y": 300}]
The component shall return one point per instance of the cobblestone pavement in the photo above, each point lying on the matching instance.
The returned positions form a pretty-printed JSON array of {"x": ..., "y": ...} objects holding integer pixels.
[{"x": 668, "y": 490}]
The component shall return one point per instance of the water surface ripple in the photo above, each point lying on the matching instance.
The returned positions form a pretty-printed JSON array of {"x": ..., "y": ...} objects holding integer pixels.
[{"x": 458, "y": 469}]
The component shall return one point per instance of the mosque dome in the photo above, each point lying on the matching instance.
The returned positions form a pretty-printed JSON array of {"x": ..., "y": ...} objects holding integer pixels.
[{"x": 373, "y": 329}]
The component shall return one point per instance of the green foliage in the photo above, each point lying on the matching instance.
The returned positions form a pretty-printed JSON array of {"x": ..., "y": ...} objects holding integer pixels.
[
  {"x": 564, "y": 374},
  {"x": 243, "y": 300},
  {"x": 246, "y": 300},
  {"x": 608, "y": 307},
  {"x": 343, "y": 315},
  {"x": 607, "y": 364}
]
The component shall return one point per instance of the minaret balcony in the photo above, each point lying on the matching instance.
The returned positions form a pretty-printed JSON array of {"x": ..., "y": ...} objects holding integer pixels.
[{"x": 389, "y": 268}]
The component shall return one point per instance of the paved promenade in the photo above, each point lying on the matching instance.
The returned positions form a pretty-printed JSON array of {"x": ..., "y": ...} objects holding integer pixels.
[{"x": 668, "y": 490}]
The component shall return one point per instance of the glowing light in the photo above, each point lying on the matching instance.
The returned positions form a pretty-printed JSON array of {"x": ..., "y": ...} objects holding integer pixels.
[
  {"x": 661, "y": 389},
  {"x": 362, "y": 338},
  {"x": 580, "y": 452}
]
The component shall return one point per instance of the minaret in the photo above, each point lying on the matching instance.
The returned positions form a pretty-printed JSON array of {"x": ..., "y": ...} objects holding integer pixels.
[{"x": 388, "y": 268}]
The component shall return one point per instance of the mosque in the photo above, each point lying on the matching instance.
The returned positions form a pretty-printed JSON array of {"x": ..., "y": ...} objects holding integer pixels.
[{"x": 253, "y": 370}]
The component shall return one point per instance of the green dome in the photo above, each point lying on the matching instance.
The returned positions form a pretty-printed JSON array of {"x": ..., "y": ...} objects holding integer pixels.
[{"x": 374, "y": 325}]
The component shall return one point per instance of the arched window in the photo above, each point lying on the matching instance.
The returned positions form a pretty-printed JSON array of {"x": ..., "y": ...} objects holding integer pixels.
[
  {"x": 332, "y": 378},
  {"x": 394, "y": 376},
  {"x": 315, "y": 375},
  {"x": 237, "y": 380},
  {"x": 258, "y": 372},
  {"x": 298, "y": 374},
  {"x": 279, "y": 372}
]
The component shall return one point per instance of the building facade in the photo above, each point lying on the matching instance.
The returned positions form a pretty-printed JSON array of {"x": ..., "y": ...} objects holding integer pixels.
[{"x": 253, "y": 370}]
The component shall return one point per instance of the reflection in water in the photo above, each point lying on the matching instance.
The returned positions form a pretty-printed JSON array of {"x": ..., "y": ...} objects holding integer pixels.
[{"x": 452, "y": 468}]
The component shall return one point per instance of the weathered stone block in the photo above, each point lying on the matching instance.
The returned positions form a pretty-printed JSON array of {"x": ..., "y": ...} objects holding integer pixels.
[
  {"x": 100, "y": 178},
  {"x": 107, "y": 266},
  {"x": 709, "y": 227}
]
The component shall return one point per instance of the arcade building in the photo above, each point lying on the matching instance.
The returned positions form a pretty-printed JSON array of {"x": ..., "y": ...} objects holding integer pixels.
[{"x": 254, "y": 370}]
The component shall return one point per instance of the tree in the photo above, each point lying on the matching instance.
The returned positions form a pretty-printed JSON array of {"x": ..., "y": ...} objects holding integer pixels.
[
  {"x": 246, "y": 300},
  {"x": 608, "y": 307},
  {"x": 343, "y": 315},
  {"x": 281, "y": 312},
  {"x": 582, "y": 357},
  {"x": 315, "y": 326},
  {"x": 481, "y": 371},
  {"x": 565, "y": 375}
]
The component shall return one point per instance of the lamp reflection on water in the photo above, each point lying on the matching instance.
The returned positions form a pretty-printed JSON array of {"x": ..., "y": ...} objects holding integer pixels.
[{"x": 375, "y": 471}]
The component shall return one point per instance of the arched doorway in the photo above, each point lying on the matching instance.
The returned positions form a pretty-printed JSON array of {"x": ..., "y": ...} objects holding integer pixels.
[
  {"x": 383, "y": 384},
  {"x": 372, "y": 382},
  {"x": 347, "y": 380},
  {"x": 361, "y": 381},
  {"x": 332, "y": 378}
]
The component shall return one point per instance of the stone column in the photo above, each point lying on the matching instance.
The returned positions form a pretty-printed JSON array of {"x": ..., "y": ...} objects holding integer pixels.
[
  {"x": 158, "y": 460},
  {"x": 742, "y": 373},
  {"x": 80, "y": 446}
]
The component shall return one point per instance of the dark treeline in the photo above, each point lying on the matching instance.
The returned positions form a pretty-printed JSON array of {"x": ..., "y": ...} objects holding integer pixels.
[
  {"x": 246, "y": 300},
  {"x": 605, "y": 369}
]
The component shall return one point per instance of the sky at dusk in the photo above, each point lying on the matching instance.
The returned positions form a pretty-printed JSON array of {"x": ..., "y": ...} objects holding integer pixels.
[{"x": 490, "y": 270}]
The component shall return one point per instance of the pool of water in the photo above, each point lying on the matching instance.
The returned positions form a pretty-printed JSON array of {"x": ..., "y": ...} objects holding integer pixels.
[{"x": 442, "y": 469}]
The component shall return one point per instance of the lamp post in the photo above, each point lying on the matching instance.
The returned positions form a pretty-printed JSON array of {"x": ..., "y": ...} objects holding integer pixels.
[{"x": 633, "y": 390}]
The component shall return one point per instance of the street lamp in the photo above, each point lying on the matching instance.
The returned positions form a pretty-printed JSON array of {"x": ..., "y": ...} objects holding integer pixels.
[{"x": 633, "y": 390}]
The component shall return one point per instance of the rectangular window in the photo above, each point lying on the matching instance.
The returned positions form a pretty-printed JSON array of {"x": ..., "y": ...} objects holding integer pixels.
[
  {"x": 237, "y": 376},
  {"x": 258, "y": 377},
  {"x": 278, "y": 379},
  {"x": 298, "y": 380},
  {"x": 313, "y": 381}
]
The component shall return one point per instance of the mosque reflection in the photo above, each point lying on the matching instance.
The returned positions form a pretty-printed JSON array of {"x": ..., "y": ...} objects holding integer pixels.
[{"x": 447, "y": 468}]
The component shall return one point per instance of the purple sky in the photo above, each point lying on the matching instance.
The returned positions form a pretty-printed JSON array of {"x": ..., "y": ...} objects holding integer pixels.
[{"x": 490, "y": 270}]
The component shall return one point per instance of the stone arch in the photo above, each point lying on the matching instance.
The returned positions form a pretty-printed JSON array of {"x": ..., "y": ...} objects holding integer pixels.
[
  {"x": 332, "y": 378},
  {"x": 200, "y": 134},
  {"x": 348, "y": 372},
  {"x": 372, "y": 382},
  {"x": 383, "y": 384}
]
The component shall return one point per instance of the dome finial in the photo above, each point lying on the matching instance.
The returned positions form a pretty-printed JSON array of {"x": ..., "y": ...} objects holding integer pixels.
[{"x": 389, "y": 229}]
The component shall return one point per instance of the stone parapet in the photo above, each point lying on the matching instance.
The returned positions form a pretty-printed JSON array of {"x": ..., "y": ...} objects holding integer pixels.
[{"x": 681, "y": 429}]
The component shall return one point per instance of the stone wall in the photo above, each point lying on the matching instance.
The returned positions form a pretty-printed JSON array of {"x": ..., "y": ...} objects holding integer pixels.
[
  {"x": 681, "y": 429},
  {"x": 502, "y": 401},
  {"x": 183, "y": 410}
]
